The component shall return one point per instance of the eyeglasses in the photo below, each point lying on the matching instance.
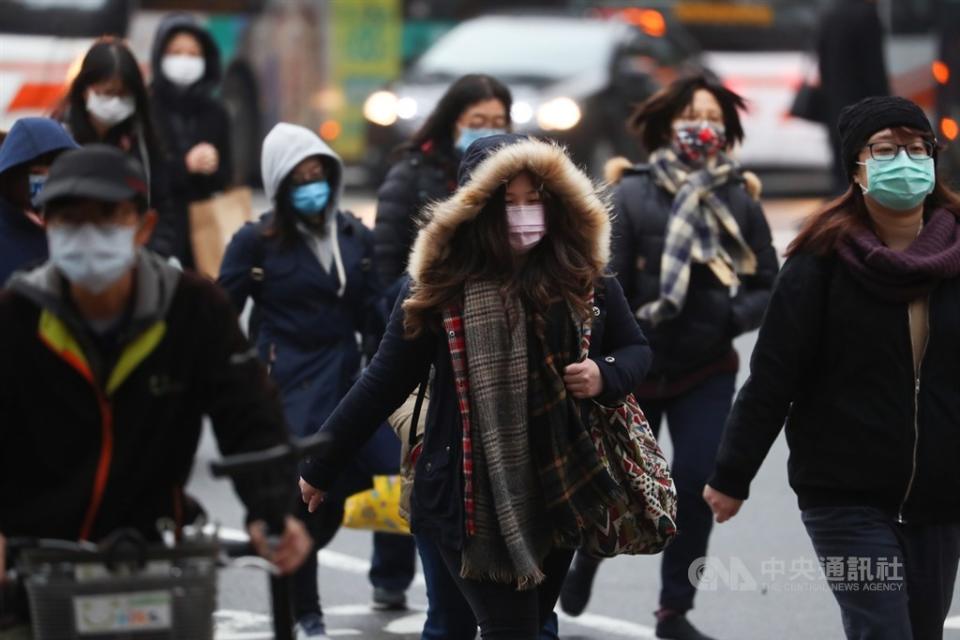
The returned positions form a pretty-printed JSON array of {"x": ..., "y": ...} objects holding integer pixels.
[{"x": 886, "y": 151}]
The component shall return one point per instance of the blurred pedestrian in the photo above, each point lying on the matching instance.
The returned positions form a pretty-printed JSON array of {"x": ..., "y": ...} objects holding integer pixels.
[
  {"x": 107, "y": 102},
  {"x": 25, "y": 158},
  {"x": 858, "y": 353},
  {"x": 191, "y": 120},
  {"x": 502, "y": 276},
  {"x": 694, "y": 255},
  {"x": 474, "y": 106},
  {"x": 308, "y": 266},
  {"x": 852, "y": 65}
]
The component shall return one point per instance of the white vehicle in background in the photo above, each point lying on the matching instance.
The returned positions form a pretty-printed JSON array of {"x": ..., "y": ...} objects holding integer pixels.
[
  {"x": 768, "y": 80},
  {"x": 765, "y": 49}
]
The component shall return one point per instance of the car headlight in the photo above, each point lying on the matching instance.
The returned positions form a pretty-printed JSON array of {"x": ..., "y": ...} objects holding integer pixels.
[
  {"x": 407, "y": 108},
  {"x": 521, "y": 112},
  {"x": 558, "y": 114},
  {"x": 381, "y": 108}
]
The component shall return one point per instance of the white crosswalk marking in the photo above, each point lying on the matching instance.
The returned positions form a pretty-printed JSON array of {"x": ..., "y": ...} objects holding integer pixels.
[{"x": 412, "y": 624}]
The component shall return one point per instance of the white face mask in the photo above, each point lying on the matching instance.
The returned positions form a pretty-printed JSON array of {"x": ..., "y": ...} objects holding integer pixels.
[
  {"x": 110, "y": 110},
  {"x": 183, "y": 70},
  {"x": 93, "y": 256},
  {"x": 526, "y": 225}
]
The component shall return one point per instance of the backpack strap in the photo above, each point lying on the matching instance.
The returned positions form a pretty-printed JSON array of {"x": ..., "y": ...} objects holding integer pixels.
[{"x": 257, "y": 274}]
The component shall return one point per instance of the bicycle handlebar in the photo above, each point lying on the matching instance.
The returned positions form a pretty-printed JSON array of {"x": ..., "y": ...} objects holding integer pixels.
[{"x": 247, "y": 462}]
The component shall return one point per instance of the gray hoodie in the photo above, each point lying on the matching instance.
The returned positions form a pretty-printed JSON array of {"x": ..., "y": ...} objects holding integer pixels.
[{"x": 283, "y": 149}]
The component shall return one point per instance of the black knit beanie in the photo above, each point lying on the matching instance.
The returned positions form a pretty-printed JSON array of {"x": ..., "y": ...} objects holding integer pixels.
[{"x": 859, "y": 121}]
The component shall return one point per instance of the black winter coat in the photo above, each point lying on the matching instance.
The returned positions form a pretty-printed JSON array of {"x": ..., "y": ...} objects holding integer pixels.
[
  {"x": 617, "y": 346},
  {"x": 704, "y": 330},
  {"x": 188, "y": 116},
  {"x": 420, "y": 177},
  {"x": 836, "y": 363},
  {"x": 93, "y": 439}
]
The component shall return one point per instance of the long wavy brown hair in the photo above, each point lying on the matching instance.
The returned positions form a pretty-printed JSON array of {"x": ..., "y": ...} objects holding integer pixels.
[{"x": 560, "y": 267}]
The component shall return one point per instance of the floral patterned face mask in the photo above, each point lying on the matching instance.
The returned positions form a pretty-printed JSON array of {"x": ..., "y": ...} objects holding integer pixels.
[{"x": 697, "y": 141}]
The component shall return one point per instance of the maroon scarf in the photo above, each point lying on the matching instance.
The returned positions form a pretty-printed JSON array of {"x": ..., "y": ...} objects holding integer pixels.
[{"x": 902, "y": 276}]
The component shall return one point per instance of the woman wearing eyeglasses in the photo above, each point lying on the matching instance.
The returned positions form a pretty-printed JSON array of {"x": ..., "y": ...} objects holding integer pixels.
[{"x": 860, "y": 353}]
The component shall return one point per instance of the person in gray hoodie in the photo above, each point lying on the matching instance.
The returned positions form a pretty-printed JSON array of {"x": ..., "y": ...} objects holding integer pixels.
[{"x": 308, "y": 267}]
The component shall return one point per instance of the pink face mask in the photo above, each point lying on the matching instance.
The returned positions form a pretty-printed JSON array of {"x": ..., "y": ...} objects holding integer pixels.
[{"x": 526, "y": 225}]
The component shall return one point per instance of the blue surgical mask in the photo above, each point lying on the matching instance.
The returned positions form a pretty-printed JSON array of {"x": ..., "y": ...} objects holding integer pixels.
[
  {"x": 93, "y": 256},
  {"x": 37, "y": 180},
  {"x": 468, "y": 136},
  {"x": 900, "y": 184},
  {"x": 311, "y": 199}
]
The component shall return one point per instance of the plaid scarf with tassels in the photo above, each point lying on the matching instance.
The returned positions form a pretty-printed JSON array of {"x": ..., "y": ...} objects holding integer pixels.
[
  {"x": 578, "y": 491},
  {"x": 532, "y": 476},
  {"x": 694, "y": 232}
]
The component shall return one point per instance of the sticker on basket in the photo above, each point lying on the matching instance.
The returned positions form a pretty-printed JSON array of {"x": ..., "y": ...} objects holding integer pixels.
[
  {"x": 90, "y": 571},
  {"x": 145, "y": 611}
]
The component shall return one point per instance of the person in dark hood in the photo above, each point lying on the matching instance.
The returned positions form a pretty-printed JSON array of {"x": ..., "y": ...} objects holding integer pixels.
[
  {"x": 25, "y": 158},
  {"x": 107, "y": 102},
  {"x": 190, "y": 118},
  {"x": 308, "y": 267}
]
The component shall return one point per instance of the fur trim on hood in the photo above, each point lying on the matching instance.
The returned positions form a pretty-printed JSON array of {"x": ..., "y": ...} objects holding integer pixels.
[
  {"x": 615, "y": 168},
  {"x": 550, "y": 163}
]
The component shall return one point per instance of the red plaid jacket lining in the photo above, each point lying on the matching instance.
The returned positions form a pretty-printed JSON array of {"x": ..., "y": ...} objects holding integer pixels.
[{"x": 453, "y": 326}]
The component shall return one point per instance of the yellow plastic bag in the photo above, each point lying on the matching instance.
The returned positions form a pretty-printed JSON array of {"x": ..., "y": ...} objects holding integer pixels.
[{"x": 377, "y": 509}]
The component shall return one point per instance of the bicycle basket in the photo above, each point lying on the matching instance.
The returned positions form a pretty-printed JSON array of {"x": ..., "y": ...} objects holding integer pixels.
[{"x": 147, "y": 593}]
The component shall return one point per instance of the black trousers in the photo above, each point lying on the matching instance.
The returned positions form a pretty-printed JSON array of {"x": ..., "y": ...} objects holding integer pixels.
[
  {"x": 696, "y": 421},
  {"x": 502, "y": 612}
]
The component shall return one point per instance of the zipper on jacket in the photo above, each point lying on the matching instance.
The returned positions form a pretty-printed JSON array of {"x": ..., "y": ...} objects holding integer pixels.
[{"x": 917, "y": 369}]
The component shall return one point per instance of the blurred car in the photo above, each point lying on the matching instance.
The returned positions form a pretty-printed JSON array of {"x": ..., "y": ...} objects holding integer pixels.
[
  {"x": 573, "y": 79},
  {"x": 774, "y": 141}
]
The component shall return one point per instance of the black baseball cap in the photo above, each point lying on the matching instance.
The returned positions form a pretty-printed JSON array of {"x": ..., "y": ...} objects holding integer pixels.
[{"x": 98, "y": 172}]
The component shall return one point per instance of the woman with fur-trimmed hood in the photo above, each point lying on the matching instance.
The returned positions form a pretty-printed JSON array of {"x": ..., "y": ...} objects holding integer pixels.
[
  {"x": 504, "y": 275},
  {"x": 693, "y": 252}
]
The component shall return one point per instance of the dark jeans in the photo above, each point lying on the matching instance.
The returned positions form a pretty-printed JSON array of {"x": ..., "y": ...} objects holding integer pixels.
[
  {"x": 695, "y": 420},
  {"x": 904, "y": 577},
  {"x": 449, "y": 617},
  {"x": 394, "y": 556},
  {"x": 502, "y": 612}
]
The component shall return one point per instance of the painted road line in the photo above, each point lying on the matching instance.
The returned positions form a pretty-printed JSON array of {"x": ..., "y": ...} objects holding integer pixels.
[
  {"x": 328, "y": 558},
  {"x": 952, "y": 623},
  {"x": 350, "y": 564},
  {"x": 608, "y": 625}
]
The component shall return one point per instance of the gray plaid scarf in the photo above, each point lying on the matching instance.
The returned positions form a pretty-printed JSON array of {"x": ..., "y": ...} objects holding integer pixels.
[
  {"x": 513, "y": 533},
  {"x": 694, "y": 232}
]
